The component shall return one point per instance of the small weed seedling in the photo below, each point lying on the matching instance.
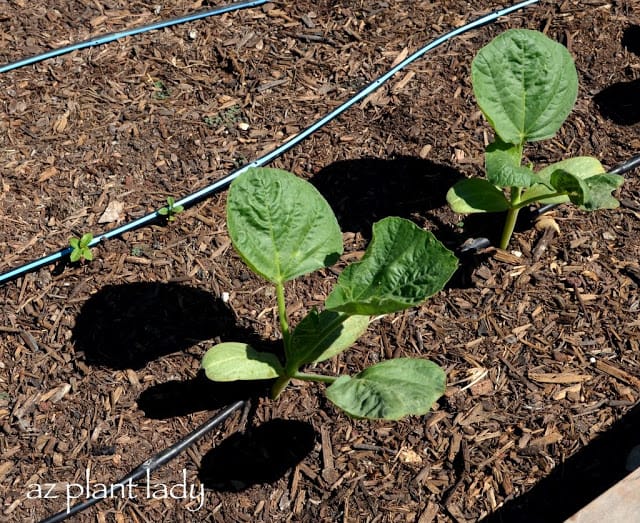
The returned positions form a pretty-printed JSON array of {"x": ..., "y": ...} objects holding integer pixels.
[
  {"x": 283, "y": 228},
  {"x": 526, "y": 85},
  {"x": 80, "y": 249},
  {"x": 171, "y": 209},
  {"x": 160, "y": 90}
]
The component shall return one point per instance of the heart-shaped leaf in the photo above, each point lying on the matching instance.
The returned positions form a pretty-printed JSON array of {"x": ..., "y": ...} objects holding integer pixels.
[
  {"x": 320, "y": 336},
  {"x": 232, "y": 361},
  {"x": 281, "y": 225},
  {"x": 402, "y": 267},
  {"x": 525, "y": 84},
  {"x": 473, "y": 195},
  {"x": 390, "y": 390}
]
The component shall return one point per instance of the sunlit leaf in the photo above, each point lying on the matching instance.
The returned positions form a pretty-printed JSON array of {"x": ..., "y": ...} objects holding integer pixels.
[
  {"x": 525, "y": 84},
  {"x": 232, "y": 361},
  {"x": 281, "y": 225},
  {"x": 390, "y": 390},
  {"x": 402, "y": 266},
  {"x": 320, "y": 336}
]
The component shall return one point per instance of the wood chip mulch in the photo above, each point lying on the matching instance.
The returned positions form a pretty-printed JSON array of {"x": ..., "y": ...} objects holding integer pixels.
[{"x": 99, "y": 361}]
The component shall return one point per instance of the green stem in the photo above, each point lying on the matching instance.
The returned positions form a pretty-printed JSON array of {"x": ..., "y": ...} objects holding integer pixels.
[
  {"x": 282, "y": 315},
  {"x": 306, "y": 376},
  {"x": 524, "y": 203},
  {"x": 282, "y": 382},
  {"x": 512, "y": 217}
]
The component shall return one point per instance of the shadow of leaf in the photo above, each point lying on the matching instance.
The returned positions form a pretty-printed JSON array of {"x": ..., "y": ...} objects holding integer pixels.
[
  {"x": 179, "y": 398},
  {"x": 620, "y": 102},
  {"x": 631, "y": 39},
  {"x": 366, "y": 190},
  {"x": 126, "y": 326},
  {"x": 260, "y": 455}
]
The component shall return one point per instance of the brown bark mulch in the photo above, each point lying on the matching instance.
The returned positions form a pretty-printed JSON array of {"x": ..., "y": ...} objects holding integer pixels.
[{"x": 99, "y": 361}]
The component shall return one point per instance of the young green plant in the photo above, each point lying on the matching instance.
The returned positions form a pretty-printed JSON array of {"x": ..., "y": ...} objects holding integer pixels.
[
  {"x": 283, "y": 228},
  {"x": 171, "y": 209},
  {"x": 526, "y": 85},
  {"x": 80, "y": 249}
]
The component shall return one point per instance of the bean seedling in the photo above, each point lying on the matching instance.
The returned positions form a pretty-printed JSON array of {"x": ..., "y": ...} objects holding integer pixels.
[
  {"x": 171, "y": 209},
  {"x": 526, "y": 85},
  {"x": 80, "y": 249},
  {"x": 282, "y": 228}
]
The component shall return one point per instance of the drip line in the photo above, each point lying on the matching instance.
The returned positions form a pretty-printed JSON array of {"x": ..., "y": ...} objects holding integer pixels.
[
  {"x": 151, "y": 464},
  {"x": 225, "y": 181},
  {"x": 110, "y": 37}
]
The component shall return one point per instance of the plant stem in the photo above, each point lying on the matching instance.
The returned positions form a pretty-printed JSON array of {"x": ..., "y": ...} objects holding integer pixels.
[
  {"x": 280, "y": 384},
  {"x": 282, "y": 315},
  {"x": 512, "y": 217},
  {"x": 524, "y": 203},
  {"x": 314, "y": 377}
]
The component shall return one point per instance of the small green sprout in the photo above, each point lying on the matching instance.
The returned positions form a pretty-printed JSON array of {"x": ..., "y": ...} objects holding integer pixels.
[
  {"x": 160, "y": 90},
  {"x": 526, "y": 85},
  {"x": 80, "y": 248},
  {"x": 283, "y": 228},
  {"x": 171, "y": 209}
]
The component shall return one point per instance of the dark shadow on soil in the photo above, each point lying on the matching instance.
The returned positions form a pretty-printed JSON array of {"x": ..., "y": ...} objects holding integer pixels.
[
  {"x": 127, "y": 326},
  {"x": 259, "y": 455},
  {"x": 631, "y": 39},
  {"x": 620, "y": 102},
  {"x": 366, "y": 190},
  {"x": 579, "y": 480},
  {"x": 179, "y": 398}
]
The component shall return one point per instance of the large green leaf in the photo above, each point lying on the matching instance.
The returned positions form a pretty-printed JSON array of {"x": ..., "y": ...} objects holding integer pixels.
[
  {"x": 320, "y": 336},
  {"x": 402, "y": 267},
  {"x": 281, "y": 225},
  {"x": 525, "y": 84},
  {"x": 502, "y": 163},
  {"x": 473, "y": 195},
  {"x": 390, "y": 390},
  {"x": 232, "y": 361}
]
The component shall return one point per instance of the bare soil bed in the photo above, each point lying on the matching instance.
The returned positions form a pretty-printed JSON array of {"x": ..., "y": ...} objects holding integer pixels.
[{"x": 99, "y": 362}]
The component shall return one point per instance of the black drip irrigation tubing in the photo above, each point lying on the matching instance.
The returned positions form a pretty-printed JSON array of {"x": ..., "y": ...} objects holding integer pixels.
[
  {"x": 206, "y": 192},
  {"x": 151, "y": 464}
]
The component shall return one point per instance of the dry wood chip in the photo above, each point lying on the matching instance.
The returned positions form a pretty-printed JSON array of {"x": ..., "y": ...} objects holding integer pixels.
[
  {"x": 559, "y": 377},
  {"x": 617, "y": 373},
  {"x": 572, "y": 393},
  {"x": 507, "y": 257},
  {"x": 49, "y": 172},
  {"x": 113, "y": 213},
  {"x": 409, "y": 456},
  {"x": 55, "y": 395},
  {"x": 547, "y": 439},
  {"x": 5, "y": 467}
]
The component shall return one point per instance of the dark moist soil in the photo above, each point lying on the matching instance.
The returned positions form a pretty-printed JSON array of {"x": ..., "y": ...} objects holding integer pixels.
[{"x": 99, "y": 361}]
